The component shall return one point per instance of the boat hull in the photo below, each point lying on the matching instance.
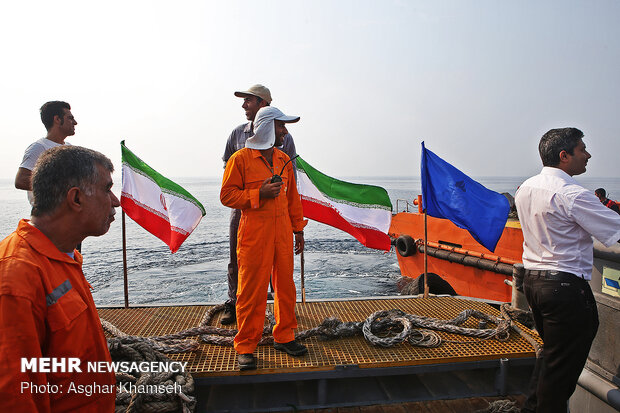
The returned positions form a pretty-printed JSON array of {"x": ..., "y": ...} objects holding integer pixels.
[{"x": 465, "y": 280}]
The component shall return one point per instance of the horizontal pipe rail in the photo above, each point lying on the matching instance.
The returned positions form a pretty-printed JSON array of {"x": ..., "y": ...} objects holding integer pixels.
[
  {"x": 468, "y": 260},
  {"x": 476, "y": 254},
  {"x": 602, "y": 389}
]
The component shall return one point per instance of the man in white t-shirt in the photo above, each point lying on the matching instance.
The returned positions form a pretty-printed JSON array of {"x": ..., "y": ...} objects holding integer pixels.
[{"x": 60, "y": 123}]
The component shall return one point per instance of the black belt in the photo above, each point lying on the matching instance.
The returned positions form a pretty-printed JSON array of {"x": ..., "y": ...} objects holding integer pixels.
[{"x": 553, "y": 275}]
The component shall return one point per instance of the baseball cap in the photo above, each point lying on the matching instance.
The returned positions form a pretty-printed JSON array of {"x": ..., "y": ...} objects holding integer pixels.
[
  {"x": 256, "y": 90},
  {"x": 278, "y": 115}
]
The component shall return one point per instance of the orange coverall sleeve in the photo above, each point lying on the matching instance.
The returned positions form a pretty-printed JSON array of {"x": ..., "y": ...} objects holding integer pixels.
[
  {"x": 295, "y": 209},
  {"x": 234, "y": 194},
  {"x": 21, "y": 333}
]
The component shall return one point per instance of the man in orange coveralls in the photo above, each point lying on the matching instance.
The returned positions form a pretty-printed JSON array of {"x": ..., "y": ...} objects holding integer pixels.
[
  {"x": 49, "y": 326},
  {"x": 271, "y": 213}
]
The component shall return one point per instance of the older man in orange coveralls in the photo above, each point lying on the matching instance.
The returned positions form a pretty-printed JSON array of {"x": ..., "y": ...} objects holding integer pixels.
[
  {"x": 271, "y": 213},
  {"x": 47, "y": 314}
]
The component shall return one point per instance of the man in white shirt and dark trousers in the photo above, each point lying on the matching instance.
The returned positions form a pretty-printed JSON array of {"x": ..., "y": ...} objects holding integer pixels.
[{"x": 559, "y": 217}]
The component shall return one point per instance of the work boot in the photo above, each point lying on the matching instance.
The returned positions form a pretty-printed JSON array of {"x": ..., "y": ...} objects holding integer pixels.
[
  {"x": 230, "y": 315},
  {"x": 246, "y": 361},
  {"x": 292, "y": 347}
]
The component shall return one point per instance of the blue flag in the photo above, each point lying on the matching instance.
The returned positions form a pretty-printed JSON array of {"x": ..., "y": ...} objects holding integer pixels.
[{"x": 449, "y": 193}]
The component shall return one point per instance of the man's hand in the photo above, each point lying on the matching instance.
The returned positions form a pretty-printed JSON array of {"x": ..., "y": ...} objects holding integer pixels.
[
  {"x": 269, "y": 189},
  {"x": 299, "y": 242}
]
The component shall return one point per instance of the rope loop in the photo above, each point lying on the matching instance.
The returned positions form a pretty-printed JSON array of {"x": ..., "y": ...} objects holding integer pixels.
[
  {"x": 424, "y": 338},
  {"x": 386, "y": 321}
]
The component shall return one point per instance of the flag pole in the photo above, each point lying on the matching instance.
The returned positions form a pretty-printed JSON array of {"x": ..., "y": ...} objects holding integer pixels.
[
  {"x": 421, "y": 204},
  {"x": 125, "y": 262},
  {"x": 425, "y": 257},
  {"x": 303, "y": 284}
]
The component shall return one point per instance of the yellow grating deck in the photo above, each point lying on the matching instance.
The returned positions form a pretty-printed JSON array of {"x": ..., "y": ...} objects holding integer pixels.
[{"x": 213, "y": 360}]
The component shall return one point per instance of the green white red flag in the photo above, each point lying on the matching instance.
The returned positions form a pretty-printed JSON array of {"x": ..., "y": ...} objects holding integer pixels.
[
  {"x": 364, "y": 211},
  {"x": 157, "y": 204}
]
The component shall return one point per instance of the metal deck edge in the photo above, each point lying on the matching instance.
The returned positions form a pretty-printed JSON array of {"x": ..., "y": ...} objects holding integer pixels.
[{"x": 355, "y": 371}]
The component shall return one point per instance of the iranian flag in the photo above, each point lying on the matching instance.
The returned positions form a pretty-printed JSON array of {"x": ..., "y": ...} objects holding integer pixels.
[
  {"x": 364, "y": 211},
  {"x": 157, "y": 204}
]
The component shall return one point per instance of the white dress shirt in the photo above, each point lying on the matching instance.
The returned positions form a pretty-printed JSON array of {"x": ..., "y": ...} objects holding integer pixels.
[{"x": 559, "y": 217}]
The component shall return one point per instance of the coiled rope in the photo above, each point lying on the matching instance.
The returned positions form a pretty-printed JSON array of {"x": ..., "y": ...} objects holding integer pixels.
[
  {"x": 383, "y": 328},
  {"x": 128, "y": 401}
]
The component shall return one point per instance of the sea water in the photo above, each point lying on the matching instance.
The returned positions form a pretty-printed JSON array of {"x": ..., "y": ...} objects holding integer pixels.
[{"x": 336, "y": 264}]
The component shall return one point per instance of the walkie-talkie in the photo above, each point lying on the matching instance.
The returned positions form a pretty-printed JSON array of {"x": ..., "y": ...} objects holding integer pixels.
[{"x": 278, "y": 178}]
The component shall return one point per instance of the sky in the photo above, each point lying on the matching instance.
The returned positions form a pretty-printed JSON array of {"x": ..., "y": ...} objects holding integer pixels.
[{"x": 479, "y": 81}]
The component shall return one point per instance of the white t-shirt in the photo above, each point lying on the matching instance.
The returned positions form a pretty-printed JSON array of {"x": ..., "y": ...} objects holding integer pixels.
[
  {"x": 559, "y": 217},
  {"x": 32, "y": 154}
]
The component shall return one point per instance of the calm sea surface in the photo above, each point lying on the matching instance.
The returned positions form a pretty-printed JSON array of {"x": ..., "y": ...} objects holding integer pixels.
[{"x": 336, "y": 265}]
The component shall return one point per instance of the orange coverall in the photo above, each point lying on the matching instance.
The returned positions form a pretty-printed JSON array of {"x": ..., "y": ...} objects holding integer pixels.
[
  {"x": 46, "y": 310},
  {"x": 264, "y": 244}
]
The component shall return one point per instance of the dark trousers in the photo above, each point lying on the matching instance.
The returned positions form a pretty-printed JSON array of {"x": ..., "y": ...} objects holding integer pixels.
[
  {"x": 233, "y": 268},
  {"x": 566, "y": 318}
]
